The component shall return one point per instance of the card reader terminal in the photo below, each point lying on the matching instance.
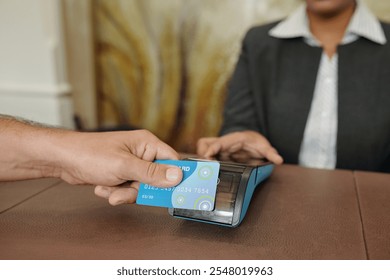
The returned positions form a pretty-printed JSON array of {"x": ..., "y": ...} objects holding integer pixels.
[{"x": 236, "y": 184}]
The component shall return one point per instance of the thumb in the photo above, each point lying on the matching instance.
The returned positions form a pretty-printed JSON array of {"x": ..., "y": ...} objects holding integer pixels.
[{"x": 159, "y": 175}]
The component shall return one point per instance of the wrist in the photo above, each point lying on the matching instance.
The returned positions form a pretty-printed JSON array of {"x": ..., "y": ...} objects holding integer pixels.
[
  {"x": 51, "y": 154},
  {"x": 30, "y": 151}
]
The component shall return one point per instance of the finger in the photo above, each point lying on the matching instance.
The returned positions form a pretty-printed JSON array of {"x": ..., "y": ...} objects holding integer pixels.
[
  {"x": 159, "y": 151},
  {"x": 203, "y": 144},
  {"x": 257, "y": 151},
  {"x": 241, "y": 156},
  {"x": 123, "y": 195},
  {"x": 272, "y": 155},
  {"x": 151, "y": 173},
  {"x": 268, "y": 152},
  {"x": 150, "y": 153},
  {"x": 235, "y": 147},
  {"x": 263, "y": 148},
  {"x": 104, "y": 191},
  {"x": 230, "y": 142},
  {"x": 213, "y": 149},
  {"x": 164, "y": 151},
  {"x": 154, "y": 148},
  {"x": 135, "y": 185}
]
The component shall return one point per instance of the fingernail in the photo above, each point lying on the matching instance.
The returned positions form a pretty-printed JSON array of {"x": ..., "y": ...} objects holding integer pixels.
[{"x": 172, "y": 174}]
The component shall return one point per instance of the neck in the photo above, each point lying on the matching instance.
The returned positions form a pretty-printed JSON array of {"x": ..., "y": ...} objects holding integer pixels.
[{"x": 329, "y": 29}]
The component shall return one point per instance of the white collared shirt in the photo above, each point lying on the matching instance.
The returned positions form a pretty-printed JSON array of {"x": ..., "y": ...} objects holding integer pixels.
[{"x": 319, "y": 144}]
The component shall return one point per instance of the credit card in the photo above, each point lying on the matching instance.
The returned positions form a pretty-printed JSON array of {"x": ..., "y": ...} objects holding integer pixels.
[{"x": 196, "y": 191}]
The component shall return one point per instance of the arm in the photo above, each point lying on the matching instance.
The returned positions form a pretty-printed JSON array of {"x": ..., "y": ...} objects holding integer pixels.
[{"x": 107, "y": 159}]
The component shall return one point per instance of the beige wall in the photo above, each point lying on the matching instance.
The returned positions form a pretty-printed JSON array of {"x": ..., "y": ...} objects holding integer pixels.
[
  {"x": 33, "y": 80},
  {"x": 164, "y": 65}
]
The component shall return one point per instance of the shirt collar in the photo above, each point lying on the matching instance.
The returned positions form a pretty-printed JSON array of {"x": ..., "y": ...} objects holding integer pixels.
[{"x": 363, "y": 23}]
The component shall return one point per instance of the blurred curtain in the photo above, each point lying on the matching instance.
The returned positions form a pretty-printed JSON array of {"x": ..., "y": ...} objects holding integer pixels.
[{"x": 164, "y": 65}]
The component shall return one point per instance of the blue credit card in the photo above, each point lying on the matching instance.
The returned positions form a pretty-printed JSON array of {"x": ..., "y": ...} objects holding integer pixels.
[{"x": 196, "y": 190}]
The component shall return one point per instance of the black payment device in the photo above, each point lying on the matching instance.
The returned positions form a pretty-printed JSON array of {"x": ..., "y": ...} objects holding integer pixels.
[{"x": 236, "y": 184}]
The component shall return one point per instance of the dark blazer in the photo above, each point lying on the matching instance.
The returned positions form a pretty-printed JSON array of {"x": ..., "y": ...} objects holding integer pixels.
[{"x": 272, "y": 88}]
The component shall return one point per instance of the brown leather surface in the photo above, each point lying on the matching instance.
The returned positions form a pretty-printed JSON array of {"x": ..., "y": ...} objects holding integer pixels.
[
  {"x": 374, "y": 196},
  {"x": 12, "y": 193},
  {"x": 297, "y": 214}
]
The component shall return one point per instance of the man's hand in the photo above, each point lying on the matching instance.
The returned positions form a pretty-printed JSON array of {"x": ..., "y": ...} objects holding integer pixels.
[
  {"x": 116, "y": 162},
  {"x": 239, "y": 145}
]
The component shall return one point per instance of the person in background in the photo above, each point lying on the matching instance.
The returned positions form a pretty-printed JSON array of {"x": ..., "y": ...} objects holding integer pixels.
[
  {"x": 313, "y": 90},
  {"x": 114, "y": 161}
]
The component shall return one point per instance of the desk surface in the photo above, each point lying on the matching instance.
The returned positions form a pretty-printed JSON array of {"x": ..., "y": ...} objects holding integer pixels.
[
  {"x": 374, "y": 196},
  {"x": 298, "y": 213}
]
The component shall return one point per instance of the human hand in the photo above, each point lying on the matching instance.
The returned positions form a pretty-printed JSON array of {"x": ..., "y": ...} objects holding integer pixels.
[
  {"x": 239, "y": 145},
  {"x": 116, "y": 162}
]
